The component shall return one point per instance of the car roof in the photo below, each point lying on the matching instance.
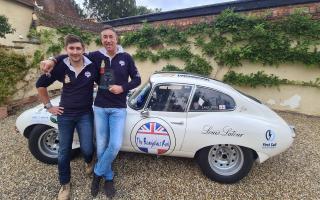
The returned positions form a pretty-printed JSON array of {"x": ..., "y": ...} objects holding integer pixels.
[{"x": 189, "y": 78}]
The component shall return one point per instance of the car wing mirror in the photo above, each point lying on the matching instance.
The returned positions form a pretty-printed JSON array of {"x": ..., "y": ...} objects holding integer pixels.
[
  {"x": 130, "y": 93},
  {"x": 145, "y": 113}
]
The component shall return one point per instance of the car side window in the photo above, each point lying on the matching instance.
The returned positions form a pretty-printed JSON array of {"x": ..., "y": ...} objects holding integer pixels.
[
  {"x": 169, "y": 98},
  {"x": 206, "y": 100}
]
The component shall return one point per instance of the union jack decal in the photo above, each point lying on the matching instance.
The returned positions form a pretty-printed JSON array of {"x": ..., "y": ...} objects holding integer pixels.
[{"x": 153, "y": 138}]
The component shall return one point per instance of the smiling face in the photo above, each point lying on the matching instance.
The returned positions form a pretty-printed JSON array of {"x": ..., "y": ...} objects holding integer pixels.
[
  {"x": 75, "y": 51},
  {"x": 109, "y": 40}
]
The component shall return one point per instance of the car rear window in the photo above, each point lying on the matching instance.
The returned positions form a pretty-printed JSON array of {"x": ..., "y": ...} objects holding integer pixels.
[{"x": 250, "y": 97}]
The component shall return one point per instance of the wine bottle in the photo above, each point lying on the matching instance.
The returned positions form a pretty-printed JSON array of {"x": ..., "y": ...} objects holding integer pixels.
[{"x": 103, "y": 83}]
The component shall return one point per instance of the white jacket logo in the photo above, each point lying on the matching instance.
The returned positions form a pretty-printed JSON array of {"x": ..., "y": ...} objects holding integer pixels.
[
  {"x": 122, "y": 63},
  {"x": 87, "y": 74}
]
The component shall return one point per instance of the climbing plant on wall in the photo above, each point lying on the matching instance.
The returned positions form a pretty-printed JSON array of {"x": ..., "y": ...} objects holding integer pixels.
[
  {"x": 53, "y": 40},
  {"x": 231, "y": 39},
  {"x": 13, "y": 68},
  {"x": 262, "y": 79},
  {"x": 5, "y": 27},
  {"x": 56, "y": 47}
]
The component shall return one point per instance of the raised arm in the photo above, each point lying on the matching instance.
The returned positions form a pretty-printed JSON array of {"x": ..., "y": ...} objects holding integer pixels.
[{"x": 46, "y": 66}]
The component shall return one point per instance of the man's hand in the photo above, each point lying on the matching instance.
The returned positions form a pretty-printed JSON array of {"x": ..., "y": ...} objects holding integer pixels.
[
  {"x": 116, "y": 89},
  {"x": 56, "y": 110},
  {"x": 46, "y": 66}
]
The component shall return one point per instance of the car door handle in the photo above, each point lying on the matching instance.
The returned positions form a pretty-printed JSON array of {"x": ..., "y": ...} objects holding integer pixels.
[{"x": 177, "y": 123}]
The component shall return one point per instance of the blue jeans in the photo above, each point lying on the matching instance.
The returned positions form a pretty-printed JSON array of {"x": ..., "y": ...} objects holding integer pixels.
[
  {"x": 109, "y": 124},
  {"x": 66, "y": 126}
]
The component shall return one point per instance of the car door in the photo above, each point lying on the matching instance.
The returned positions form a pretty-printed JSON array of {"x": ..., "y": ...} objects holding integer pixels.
[
  {"x": 162, "y": 123},
  {"x": 210, "y": 119}
]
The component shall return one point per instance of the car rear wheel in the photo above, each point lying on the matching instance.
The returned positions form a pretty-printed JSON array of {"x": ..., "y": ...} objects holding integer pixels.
[
  {"x": 44, "y": 144},
  {"x": 225, "y": 163}
]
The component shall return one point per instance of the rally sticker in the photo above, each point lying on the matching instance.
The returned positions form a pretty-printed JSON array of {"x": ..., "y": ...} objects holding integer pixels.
[
  {"x": 40, "y": 116},
  {"x": 153, "y": 138},
  {"x": 222, "y": 107}
]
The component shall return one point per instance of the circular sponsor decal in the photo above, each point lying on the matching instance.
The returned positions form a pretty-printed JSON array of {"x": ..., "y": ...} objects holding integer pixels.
[
  {"x": 152, "y": 137},
  {"x": 270, "y": 135},
  {"x": 53, "y": 119}
]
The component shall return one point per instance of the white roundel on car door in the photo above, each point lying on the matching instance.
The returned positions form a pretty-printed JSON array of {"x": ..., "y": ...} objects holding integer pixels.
[{"x": 153, "y": 136}]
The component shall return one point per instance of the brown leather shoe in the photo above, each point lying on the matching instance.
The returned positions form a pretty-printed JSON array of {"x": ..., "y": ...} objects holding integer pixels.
[
  {"x": 109, "y": 189},
  {"x": 89, "y": 166},
  {"x": 64, "y": 192}
]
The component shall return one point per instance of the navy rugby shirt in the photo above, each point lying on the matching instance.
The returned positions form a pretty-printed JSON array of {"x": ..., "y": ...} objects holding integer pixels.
[
  {"x": 77, "y": 90},
  {"x": 122, "y": 67}
]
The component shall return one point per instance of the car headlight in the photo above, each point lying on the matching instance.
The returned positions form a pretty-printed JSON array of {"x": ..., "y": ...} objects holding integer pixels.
[{"x": 293, "y": 131}]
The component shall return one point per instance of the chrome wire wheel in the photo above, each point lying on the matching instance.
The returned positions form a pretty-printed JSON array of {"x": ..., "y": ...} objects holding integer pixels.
[
  {"x": 48, "y": 143},
  {"x": 225, "y": 159}
]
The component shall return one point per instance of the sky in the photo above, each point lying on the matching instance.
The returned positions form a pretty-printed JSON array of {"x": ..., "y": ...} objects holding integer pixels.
[{"x": 167, "y": 5}]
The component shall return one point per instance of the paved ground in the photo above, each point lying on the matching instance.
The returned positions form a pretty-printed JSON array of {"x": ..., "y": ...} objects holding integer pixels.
[{"x": 295, "y": 174}]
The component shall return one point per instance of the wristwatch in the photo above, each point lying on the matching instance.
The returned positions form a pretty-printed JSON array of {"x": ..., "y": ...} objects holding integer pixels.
[
  {"x": 53, "y": 59},
  {"x": 48, "y": 105}
]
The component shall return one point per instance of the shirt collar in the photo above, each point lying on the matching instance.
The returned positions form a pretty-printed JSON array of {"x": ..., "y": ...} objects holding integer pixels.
[
  {"x": 104, "y": 51},
  {"x": 86, "y": 62}
]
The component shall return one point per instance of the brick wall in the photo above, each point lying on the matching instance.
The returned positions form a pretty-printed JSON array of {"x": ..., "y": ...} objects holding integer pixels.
[
  {"x": 58, "y": 20},
  {"x": 61, "y": 13},
  {"x": 271, "y": 13},
  {"x": 64, "y": 7}
]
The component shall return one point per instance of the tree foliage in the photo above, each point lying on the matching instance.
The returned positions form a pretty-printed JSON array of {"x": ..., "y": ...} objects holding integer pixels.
[
  {"x": 113, "y": 9},
  {"x": 142, "y": 10},
  {"x": 5, "y": 27},
  {"x": 106, "y": 10},
  {"x": 79, "y": 10}
]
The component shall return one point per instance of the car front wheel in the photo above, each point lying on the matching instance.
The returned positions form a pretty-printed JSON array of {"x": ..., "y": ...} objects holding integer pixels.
[
  {"x": 225, "y": 163},
  {"x": 44, "y": 144}
]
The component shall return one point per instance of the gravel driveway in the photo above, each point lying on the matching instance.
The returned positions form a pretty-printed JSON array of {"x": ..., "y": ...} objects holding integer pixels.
[{"x": 294, "y": 174}]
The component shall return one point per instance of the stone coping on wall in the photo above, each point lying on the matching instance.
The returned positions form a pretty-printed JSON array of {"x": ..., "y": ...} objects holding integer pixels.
[
  {"x": 17, "y": 104},
  {"x": 28, "y": 3},
  {"x": 10, "y": 47},
  {"x": 26, "y": 42}
]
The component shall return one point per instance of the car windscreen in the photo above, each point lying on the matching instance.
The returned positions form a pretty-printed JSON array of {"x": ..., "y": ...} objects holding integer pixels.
[{"x": 139, "y": 97}]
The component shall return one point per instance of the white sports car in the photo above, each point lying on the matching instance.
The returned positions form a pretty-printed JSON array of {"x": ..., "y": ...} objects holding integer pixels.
[{"x": 181, "y": 114}]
